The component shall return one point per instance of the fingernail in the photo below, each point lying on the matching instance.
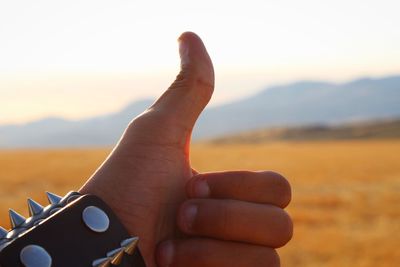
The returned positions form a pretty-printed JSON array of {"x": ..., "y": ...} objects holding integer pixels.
[
  {"x": 201, "y": 188},
  {"x": 189, "y": 214},
  {"x": 184, "y": 52},
  {"x": 166, "y": 254}
]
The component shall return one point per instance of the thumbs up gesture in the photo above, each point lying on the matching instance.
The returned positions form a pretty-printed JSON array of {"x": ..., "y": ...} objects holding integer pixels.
[{"x": 183, "y": 218}]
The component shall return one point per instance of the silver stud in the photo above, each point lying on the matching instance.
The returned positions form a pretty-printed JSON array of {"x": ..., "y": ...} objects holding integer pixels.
[
  {"x": 3, "y": 232},
  {"x": 16, "y": 219},
  {"x": 96, "y": 219},
  {"x": 103, "y": 262},
  {"x": 130, "y": 244},
  {"x": 53, "y": 198},
  {"x": 35, "y": 256},
  {"x": 34, "y": 207},
  {"x": 117, "y": 258}
]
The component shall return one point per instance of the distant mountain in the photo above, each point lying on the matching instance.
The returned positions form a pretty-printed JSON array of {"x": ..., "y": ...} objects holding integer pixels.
[
  {"x": 384, "y": 129},
  {"x": 305, "y": 103},
  {"x": 55, "y": 132},
  {"x": 301, "y": 103}
]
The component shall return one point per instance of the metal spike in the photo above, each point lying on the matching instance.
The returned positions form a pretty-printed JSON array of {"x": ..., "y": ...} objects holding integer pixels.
[
  {"x": 130, "y": 244},
  {"x": 53, "y": 198},
  {"x": 113, "y": 252},
  {"x": 3, "y": 232},
  {"x": 15, "y": 218},
  {"x": 34, "y": 207},
  {"x": 103, "y": 262},
  {"x": 117, "y": 259}
]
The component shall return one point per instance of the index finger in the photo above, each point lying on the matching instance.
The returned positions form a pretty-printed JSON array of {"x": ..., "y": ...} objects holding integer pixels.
[{"x": 260, "y": 187}]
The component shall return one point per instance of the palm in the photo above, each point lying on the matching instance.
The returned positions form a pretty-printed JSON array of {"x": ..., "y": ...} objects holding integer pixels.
[{"x": 143, "y": 179}]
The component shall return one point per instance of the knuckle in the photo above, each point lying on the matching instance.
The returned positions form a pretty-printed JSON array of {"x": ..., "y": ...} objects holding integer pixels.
[
  {"x": 147, "y": 126},
  {"x": 131, "y": 131},
  {"x": 189, "y": 79},
  {"x": 138, "y": 122},
  {"x": 186, "y": 79},
  {"x": 132, "y": 125}
]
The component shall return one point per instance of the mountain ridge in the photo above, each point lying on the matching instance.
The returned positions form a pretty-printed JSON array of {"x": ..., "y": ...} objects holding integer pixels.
[
  {"x": 383, "y": 129},
  {"x": 299, "y": 103}
]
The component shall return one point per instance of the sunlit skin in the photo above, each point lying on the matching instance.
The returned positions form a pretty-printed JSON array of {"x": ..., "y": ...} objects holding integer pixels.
[{"x": 183, "y": 218}]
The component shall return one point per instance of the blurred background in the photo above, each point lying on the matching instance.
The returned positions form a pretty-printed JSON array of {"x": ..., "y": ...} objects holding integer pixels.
[{"x": 307, "y": 88}]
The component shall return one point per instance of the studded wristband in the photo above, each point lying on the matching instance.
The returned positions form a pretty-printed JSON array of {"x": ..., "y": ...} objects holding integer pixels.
[{"x": 76, "y": 230}]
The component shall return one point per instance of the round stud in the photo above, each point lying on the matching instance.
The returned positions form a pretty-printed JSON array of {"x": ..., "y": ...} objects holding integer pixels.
[
  {"x": 95, "y": 219},
  {"x": 35, "y": 256}
]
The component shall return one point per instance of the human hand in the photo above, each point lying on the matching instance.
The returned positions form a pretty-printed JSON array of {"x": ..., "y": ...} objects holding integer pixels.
[
  {"x": 233, "y": 219},
  {"x": 144, "y": 178}
]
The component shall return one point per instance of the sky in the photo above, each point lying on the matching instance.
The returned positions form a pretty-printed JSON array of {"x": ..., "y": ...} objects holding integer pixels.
[{"x": 80, "y": 58}]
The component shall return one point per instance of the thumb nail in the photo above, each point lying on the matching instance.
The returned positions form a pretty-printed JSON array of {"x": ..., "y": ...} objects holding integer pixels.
[{"x": 184, "y": 52}]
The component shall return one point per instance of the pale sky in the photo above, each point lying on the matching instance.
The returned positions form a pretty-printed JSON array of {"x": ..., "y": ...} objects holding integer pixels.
[{"x": 78, "y": 58}]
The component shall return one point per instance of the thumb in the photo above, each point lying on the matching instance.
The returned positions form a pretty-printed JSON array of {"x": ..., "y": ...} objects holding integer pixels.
[{"x": 188, "y": 95}]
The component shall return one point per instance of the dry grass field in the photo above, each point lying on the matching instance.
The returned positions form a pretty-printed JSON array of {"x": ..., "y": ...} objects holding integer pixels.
[{"x": 346, "y": 194}]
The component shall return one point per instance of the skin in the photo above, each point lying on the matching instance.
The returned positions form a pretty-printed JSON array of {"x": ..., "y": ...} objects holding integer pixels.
[{"x": 232, "y": 218}]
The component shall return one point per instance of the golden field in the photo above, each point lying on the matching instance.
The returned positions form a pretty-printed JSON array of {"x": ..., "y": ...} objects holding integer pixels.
[{"x": 346, "y": 194}]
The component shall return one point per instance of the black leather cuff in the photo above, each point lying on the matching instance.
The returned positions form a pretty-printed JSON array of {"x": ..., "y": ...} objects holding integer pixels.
[{"x": 79, "y": 231}]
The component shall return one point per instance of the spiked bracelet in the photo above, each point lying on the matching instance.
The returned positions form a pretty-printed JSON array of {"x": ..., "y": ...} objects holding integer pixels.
[{"x": 74, "y": 230}]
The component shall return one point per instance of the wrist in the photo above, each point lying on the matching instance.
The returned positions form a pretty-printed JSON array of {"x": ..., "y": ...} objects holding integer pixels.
[{"x": 82, "y": 231}]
